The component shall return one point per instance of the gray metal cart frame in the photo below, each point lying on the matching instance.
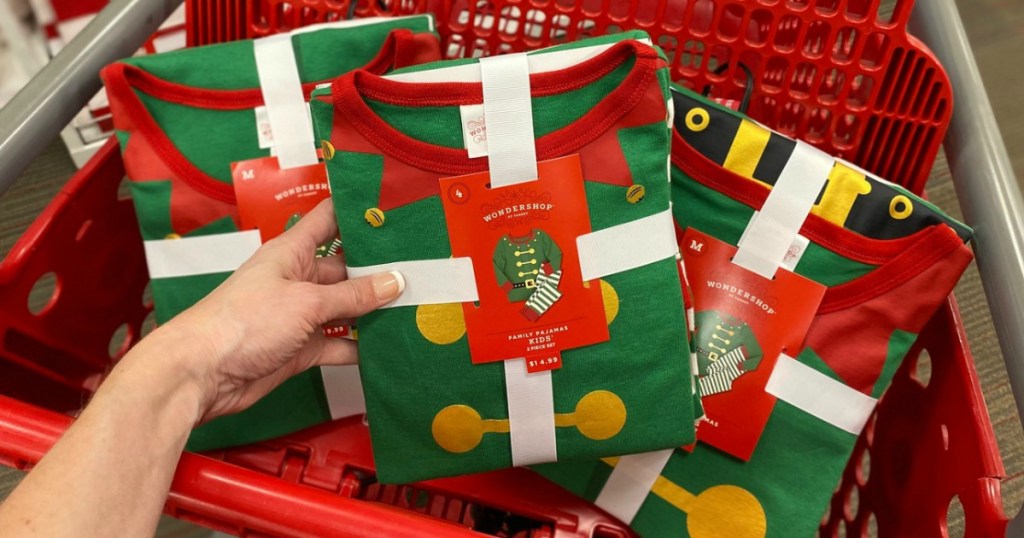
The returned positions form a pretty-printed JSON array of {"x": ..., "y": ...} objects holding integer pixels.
[{"x": 981, "y": 170}]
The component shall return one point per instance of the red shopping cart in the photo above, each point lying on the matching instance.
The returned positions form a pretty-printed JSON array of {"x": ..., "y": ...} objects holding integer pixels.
[{"x": 833, "y": 72}]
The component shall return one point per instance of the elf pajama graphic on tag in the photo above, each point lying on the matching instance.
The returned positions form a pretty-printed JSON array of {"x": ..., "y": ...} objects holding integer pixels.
[
  {"x": 511, "y": 236},
  {"x": 451, "y": 417},
  {"x": 529, "y": 269},
  {"x": 181, "y": 125}
]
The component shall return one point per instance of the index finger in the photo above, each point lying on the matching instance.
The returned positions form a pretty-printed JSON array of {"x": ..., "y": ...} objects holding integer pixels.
[{"x": 314, "y": 228}]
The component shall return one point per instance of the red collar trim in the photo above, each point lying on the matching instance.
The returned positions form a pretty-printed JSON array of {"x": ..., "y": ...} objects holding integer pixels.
[
  {"x": 898, "y": 260},
  {"x": 122, "y": 79},
  {"x": 350, "y": 91},
  {"x": 522, "y": 239}
]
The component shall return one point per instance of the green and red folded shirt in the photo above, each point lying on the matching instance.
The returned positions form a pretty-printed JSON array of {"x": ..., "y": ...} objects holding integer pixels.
[
  {"x": 182, "y": 119},
  {"x": 394, "y": 140},
  {"x": 889, "y": 260}
]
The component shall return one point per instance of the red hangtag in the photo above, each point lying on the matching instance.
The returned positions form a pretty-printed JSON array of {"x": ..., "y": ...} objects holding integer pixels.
[
  {"x": 522, "y": 241},
  {"x": 272, "y": 200},
  {"x": 744, "y": 321}
]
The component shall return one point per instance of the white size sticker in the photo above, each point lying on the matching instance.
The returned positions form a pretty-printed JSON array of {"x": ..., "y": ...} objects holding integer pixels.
[
  {"x": 474, "y": 130},
  {"x": 795, "y": 251},
  {"x": 263, "y": 130},
  {"x": 264, "y": 133}
]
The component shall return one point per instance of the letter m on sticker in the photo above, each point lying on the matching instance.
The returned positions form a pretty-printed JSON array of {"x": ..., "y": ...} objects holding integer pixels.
[
  {"x": 248, "y": 174},
  {"x": 696, "y": 246}
]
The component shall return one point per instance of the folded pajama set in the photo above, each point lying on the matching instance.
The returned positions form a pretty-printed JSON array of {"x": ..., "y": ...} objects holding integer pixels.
[
  {"x": 432, "y": 411},
  {"x": 182, "y": 119},
  {"x": 888, "y": 258}
]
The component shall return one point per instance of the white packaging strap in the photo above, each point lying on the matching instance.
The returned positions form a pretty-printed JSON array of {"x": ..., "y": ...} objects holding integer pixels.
[
  {"x": 344, "y": 391},
  {"x": 772, "y": 231},
  {"x": 630, "y": 483},
  {"x": 819, "y": 395},
  {"x": 627, "y": 246},
  {"x": 286, "y": 104},
  {"x": 445, "y": 280},
  {"x": 508, "y": 118},
  {"x": 202, "y": 255},
  {"x": 531, "y": 414}
]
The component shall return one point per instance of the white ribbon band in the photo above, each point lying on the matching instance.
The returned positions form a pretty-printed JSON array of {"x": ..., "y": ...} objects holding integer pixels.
[
  {"x": 819, "y": 395},
  {"x": 508, "y": 118},
  {"x": 344, "y": 391},
  {"x": 531, "y": 414},
  {"x": 286, "y": 104},
  {"x": 447, "y": 280},
  {"x": 202, "y": 255},
  {"x": 771, "y": 232},
  {"x": 627, "y": 246},
  {"x": 630, "y": 483}
]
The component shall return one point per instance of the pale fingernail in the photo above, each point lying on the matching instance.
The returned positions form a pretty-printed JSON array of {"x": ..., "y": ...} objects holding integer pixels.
[{"x": 387, "y": 286}]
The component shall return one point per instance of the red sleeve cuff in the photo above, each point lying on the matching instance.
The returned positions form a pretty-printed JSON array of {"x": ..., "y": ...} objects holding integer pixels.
[{"x": 529, "y": 313}]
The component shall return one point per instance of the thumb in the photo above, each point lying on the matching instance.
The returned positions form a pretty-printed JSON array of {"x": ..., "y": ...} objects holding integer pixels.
[{"x": 355, "y": 297}]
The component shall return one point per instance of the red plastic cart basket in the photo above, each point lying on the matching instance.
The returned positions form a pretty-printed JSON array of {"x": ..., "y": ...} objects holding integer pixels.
[
  {"x": 930, "y": 441},
  {"x": 835, "y": 73}
]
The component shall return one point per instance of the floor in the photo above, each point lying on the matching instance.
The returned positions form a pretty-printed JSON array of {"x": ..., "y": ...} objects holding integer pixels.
[{"x": 996, "y": 30}]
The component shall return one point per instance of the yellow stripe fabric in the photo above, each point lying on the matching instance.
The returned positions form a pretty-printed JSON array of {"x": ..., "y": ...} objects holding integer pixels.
[{"x": 747, "y": 148}]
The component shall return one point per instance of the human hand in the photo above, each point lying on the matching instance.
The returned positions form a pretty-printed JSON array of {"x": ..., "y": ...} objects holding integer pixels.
[{"x": 264, "y": 324}]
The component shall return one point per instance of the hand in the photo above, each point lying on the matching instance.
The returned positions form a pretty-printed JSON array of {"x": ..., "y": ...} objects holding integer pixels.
[{"x": 264, "y": 324}]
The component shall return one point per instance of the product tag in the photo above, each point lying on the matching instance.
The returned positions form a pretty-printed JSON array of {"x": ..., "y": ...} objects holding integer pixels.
[
  {"x": 474, "y": 130},
  {"x": 743, "y": 322},
  {"x": 543, "y": 362},
  {"x": 522, "y": 242},
  {"x": 264, "y": 133},
  {"x": 341, "y": 331},
  {"x": 794, "y": 253},
  {"x": 273, "y": 200}
]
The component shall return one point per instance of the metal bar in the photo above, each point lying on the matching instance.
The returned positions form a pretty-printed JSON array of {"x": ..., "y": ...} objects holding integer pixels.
[
  {"x": 986, "y": 185},
  {"x": 52, "y": 98}
]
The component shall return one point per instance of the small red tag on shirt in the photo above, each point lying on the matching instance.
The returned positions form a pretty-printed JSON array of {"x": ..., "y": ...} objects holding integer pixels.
[
  {"x": 522, "y": 242},
  {"x": 743, "y": 322},
  {"x": 273, "y": 200}
]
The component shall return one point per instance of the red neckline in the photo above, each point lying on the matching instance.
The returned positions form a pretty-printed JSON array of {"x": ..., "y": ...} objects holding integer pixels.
[
  {"x": 349, "y": 91},
  {"x": 898, "y": 260},
  {"x": 522, "y": 239},
  {"x": 121, "y": 79}
]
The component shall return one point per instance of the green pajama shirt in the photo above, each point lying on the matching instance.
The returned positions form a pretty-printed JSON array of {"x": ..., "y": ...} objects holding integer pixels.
[
  {"x": 889, "y": 260},
  {"x": 182, "y": 119},
  {"x": 393, "y": 143}
]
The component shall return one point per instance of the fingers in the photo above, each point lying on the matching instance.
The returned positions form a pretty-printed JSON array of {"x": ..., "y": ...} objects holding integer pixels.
[
  {"x": 314, "y": 228},
  {"x": 330, "y": 269},
  {"x": 338, "y": 352},
  {"x": 355, "y": 297}
]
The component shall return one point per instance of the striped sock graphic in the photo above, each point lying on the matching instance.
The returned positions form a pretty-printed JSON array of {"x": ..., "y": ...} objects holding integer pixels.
[
  {"x": 545, "y": 296},
  {"x": 732, "y": 358},
  {"x": 720, "y": 381}
]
